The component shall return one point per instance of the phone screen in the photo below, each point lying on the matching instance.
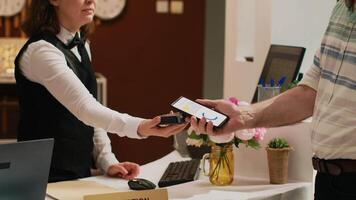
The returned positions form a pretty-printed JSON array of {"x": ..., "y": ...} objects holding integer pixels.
[{"x": 199, "y": 111}]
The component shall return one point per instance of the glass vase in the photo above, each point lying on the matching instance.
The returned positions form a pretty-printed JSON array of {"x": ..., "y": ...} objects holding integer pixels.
[{"x": 221, "y": 165}]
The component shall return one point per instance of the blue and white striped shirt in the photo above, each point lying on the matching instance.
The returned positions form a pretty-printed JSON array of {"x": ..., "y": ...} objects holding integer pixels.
[{"x": 333, "y": 76}]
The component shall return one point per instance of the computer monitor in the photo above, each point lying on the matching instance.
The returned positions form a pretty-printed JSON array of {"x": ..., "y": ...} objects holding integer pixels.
[
  {"x": 281, "y": 61},
  {"x": 24, "y": 169}
]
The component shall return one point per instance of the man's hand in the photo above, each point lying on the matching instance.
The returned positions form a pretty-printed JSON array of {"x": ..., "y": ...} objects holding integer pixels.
[
  {"x": 287, "y": 108},
  {"x": 125, "y": 170},
  {"x": 235, "y": 122},
  {"x": 149, "y": 127}
]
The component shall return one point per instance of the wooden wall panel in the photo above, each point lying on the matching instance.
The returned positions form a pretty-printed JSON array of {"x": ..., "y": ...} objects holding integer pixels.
[{"x": 149, "y": 60}]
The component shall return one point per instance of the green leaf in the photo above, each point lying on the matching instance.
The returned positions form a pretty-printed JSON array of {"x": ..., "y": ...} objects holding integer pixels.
[
  {"x": 278, "y": 143},
  {"x": 205, "y": 138},
  {"x": 194, "y": 136},
  {"x": 237, "y": 142},
  {"x": 254, "y": 144}
]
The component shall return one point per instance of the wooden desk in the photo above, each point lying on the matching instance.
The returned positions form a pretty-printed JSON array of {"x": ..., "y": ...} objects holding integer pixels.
[{"x": 243, "y": 188}]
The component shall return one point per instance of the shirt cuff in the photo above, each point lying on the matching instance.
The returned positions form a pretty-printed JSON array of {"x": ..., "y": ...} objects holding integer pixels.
[
  {"x": 309, "y": 82},
  {"x": 107, "y": 162},
  {"x": 311, "y": 77},
  {"x": 131, "y": 127}
]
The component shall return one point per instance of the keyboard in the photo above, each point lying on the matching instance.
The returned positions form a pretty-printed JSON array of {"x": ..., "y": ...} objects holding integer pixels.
[{"x": 180, "y": 172}]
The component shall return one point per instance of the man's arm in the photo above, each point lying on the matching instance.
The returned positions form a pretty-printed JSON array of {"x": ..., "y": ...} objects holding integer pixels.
[{"x": 289, "y": 107}]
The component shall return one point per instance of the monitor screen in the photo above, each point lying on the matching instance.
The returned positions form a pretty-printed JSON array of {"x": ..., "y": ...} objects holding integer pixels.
[{"x": 282, "y": 61}]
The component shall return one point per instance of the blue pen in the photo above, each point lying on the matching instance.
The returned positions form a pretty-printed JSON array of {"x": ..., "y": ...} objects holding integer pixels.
[
  {"x": 272, "y": 82},
  {"x": 281, "y": 81},
  {"x": 262, "y": 82}
]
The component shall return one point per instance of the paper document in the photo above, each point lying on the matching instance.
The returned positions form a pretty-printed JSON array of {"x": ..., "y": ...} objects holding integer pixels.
[{"x": 76, "y": 190}]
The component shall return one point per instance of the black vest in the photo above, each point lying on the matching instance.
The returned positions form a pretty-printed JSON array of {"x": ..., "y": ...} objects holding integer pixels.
[{"x": 42, "y": 116}]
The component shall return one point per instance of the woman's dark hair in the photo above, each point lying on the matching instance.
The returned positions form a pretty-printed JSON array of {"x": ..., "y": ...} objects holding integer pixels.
[
  {"x": 350, "y": 3},
  {"x": 43, "y": 18}
]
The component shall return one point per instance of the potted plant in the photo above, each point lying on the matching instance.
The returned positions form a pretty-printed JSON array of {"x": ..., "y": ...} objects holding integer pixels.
[{"x": 278, "y": 153}]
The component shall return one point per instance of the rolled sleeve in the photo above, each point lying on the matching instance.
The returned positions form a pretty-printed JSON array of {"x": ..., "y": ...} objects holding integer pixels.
[{"x": 312, "y": 76}]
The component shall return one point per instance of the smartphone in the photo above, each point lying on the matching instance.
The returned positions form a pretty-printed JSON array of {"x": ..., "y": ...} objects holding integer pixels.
[
  {"x": 170, "y": 119},
  {"x": 191, "y": 108}
]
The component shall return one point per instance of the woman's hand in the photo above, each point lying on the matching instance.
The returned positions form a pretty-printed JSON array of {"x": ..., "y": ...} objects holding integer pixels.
[
  {"x": 149, "y": 127},
  {"x": 125, "y": 170}
]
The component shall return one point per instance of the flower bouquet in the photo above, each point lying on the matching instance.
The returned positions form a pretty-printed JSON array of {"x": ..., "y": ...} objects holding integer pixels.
[{"x": 221, "y": 171}]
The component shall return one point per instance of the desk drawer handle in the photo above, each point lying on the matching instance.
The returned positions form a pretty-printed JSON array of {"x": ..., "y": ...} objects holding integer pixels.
[{"x": 5, "y": 165}]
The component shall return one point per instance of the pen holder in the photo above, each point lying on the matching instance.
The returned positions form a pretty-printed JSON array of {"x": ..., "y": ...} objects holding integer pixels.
[{"x": 267, "y": 92}]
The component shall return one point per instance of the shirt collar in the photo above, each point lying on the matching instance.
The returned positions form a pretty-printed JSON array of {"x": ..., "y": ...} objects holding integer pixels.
[{"x": 65, "y": 35}]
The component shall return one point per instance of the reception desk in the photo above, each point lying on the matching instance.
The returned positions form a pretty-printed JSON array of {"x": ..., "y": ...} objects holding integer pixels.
[{"x": 251, "y": 180}]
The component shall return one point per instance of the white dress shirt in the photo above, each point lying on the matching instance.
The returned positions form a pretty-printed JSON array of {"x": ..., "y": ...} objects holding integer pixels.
[{"x": 45, "y": 64}]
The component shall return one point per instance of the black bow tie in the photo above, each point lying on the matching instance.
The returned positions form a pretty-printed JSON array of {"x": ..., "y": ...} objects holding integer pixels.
[
  {"x": 76, "y": 41},
  {"x": 80, "y": 43}
]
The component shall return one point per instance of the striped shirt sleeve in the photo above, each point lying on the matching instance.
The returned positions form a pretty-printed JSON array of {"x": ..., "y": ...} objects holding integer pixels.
[{"x": 312, "y": 76}]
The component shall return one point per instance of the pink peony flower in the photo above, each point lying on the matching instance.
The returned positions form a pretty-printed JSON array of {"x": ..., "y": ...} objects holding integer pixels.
[
  {"x": 259, "y": 134},
  {"x": 225, "y": 138},
  {"x": 246, "y": 134},
  {"x": 234, "y": 100}
]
